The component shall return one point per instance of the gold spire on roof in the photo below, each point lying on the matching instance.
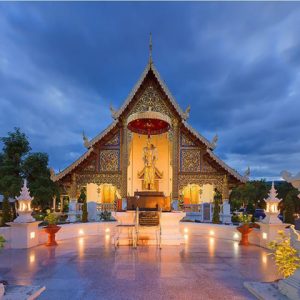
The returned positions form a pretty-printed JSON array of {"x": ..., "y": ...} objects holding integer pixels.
[{"x": 150, "y": 48}]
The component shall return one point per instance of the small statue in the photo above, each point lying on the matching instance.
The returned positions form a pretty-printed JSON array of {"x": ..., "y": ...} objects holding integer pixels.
[
  {"x": 214, "y": 141},
  {"x": 113, "y": 112},
  {"x": 186, "y": 114},
  {"x": 86, "y": 142}
]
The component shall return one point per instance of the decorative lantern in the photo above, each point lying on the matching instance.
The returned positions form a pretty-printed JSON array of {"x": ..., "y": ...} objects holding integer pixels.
[
  {"x": 272, "y": 207},
  {"x": 24, "y": 210}
]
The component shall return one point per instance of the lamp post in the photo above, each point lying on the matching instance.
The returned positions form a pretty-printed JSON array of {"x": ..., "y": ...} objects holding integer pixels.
[
  {"x": 24, "y": 209},
  {"x": 24, "y": 229},
  {"x": 272, "y": 207}
]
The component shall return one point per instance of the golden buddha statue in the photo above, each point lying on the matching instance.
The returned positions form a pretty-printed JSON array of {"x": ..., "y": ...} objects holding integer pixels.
[{"x": 149, "y": 158}]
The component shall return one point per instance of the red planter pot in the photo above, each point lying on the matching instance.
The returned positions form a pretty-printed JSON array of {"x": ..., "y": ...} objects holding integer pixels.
[
  {"x": 51, "y": 230},
  {"x": 244, "y": 230}
]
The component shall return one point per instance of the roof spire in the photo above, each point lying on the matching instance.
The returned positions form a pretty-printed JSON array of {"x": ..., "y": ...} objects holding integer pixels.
[{"x": 150, "y": 49}]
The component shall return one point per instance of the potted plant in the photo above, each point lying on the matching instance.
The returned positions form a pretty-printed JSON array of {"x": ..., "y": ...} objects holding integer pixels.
[
  {"x": 245, "y": 228},
  {"x": 51, "y": 229}
]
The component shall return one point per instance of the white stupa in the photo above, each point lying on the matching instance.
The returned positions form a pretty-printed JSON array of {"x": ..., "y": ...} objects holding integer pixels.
[
  {"x": 272, "y": 207},
  {"x": 24, "y": 210}
]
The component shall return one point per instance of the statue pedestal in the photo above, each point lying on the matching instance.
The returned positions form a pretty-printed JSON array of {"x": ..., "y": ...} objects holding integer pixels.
[
  {"x": 92, "y": 211},
  {"x": 24, "y": 235},
  {"x": 225, "y": 215},
  {"x": 72, "y": 214},
  {"x": 269, "y": 232},
  {"x": 290, "y": 286}
]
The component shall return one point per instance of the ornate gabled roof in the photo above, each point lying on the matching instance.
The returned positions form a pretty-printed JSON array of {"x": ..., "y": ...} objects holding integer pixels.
[
  {"x": 70, "y": 168},
  {"x": 117, "y": 115},
  {"x": 197, "y": 135},
  {"x": 231, "y": 171},
  {"x": 150, "y": 66},
  {"x": 102, "y": 134}
]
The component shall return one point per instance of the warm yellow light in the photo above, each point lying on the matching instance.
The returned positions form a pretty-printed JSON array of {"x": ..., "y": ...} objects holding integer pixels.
[
  {"x": 211, "y": 246},
  {"x": 32, "y": 258},
  {"x": 32, "y": 235},
  {"x": 186, "y": 236},
  {"x": 107, "y": 236},
  {"x": 264, "y": 235},
  {"x": 80, "y": 241},
  {"x": 107, "y": 230},
  {"x": 186, "y": 230},
  {"x": 211, "y": 232},
  {"x": 236, "y": 235},
  {"x": 264, "y": 258},
  {"x": 81, "y": 232}
]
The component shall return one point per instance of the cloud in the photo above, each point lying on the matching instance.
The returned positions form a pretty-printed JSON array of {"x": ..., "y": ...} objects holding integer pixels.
[{"x": 237, "y": 64}]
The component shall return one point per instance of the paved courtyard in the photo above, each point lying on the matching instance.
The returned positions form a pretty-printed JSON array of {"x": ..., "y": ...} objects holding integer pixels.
[{"x": 90, "y": 268}]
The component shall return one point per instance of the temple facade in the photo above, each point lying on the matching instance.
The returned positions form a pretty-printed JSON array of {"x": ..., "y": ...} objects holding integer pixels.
[{"x": 176, "y": 160}]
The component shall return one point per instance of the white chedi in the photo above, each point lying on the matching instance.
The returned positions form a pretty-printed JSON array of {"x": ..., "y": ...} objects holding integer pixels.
[
  {"x": 272, "y": 207},
  {"x": 24, "y": 210}
]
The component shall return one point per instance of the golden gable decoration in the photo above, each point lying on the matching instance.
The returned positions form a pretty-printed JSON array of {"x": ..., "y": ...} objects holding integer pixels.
[{"x": 190, "y": 160}]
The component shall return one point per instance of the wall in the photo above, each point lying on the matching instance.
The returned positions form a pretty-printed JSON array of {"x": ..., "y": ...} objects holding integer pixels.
[{"x": 76, "y": 230}]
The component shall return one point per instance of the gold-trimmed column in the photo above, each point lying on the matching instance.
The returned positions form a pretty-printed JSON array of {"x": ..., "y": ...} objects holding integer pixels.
[
  {"x": 225, "y": 189},
  {"x": 72, "y": 192},
  {"x": 124, "y": 159},
  {"x": 175, "y": 159}
]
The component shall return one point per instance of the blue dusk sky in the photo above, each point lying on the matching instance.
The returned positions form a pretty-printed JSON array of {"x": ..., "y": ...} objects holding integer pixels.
[{"x": 237, "y": 64}]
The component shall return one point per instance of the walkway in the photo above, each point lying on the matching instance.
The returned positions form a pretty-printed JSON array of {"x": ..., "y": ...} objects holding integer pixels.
[{"x": 89, "y": 268}]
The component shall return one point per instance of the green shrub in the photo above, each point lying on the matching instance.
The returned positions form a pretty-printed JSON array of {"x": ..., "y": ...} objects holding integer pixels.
[
  {"x": 289, "y": 209},
  {"x": 245, "y": 219},
  {"x": 286, "y": 257},
  {"x": 105, "y": 215},
  {"x": 216, "y": 212},
  {"x": 6, "y": 212},
  {"x": 84, "y": 217},
  {"x": 51, "y": 219},
  {"x": 235, "y": 219},
  {"x": 2, "y": 241}
]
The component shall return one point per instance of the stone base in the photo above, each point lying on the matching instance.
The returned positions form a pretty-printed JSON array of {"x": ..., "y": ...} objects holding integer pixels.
[
  {"x": 291, "y": 286},
  {"x": 24, "y": 235},
  {"x": 170, "y": 229},
  {"x": 225, "y": 219},
  {"x": 193, "y": 216},
  {"x": 17, "y": 292},
  {"x": 265, "y": 290},
  {"x": 269, "y": 232},
  {"x": 72, "y": 217}
]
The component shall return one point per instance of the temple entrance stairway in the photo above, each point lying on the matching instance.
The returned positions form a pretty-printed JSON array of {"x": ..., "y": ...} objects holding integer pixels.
[{"x": 151, "y": 230}]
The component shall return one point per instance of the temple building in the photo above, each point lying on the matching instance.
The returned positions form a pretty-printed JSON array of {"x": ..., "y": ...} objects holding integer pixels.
[{"x": 149, "y": 155}]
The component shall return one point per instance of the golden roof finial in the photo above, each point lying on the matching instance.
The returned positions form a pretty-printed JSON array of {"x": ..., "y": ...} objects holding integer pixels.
[{"x": 150, "y": 48}]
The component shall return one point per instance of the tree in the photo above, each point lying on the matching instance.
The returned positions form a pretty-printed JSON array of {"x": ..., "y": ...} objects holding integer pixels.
[
  {"x": 42, "y": 188},
  {"x": 289, "y": 208},
  {"x": 284, "y": 188},
  {"x": 216, "y": 212},
  {"x": 84, "y": 218},
  {"x": 6, "y": 212},
  {"x": 82, "y": 196},
  {"x": 15, "y": 148},
  {"x": 250, "y": 195},
  {"x": 82, "y": 199}
]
